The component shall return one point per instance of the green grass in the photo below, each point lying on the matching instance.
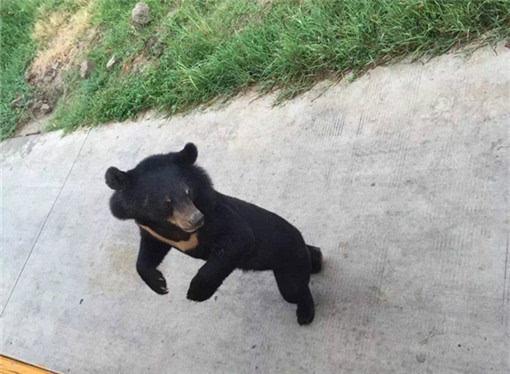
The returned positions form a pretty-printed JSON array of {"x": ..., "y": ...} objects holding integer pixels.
[
  {"x": 16, "y": 51},
  {"x": 217, "y": 48}
]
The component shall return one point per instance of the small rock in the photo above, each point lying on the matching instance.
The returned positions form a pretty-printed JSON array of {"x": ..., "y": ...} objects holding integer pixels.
[
  {"x": 45, "y": 108},
  {"x": 140, "y": 15},
  {"x": 111, "y": 62},
  {"x": 420, "y": 357},
  {"x": 51, "y": 72},
  {"x": 86, "y": 67},
  {"x": 49, "y": 75}
]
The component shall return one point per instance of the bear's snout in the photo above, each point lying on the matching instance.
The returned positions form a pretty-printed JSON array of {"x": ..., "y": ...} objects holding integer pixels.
[
  {"x": 188, "y": 217},
  {"x": 197, "y": 219}
]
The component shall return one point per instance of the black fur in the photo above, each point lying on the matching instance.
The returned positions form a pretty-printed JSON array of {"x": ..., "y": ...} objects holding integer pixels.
[{"x": 234, "y": 234}]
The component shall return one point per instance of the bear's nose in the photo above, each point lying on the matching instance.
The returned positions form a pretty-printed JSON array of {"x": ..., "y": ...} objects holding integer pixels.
[{"x": 197, "y": 219}]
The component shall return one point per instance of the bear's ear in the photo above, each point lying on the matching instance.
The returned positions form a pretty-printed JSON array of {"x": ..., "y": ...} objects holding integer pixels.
[
  {"x": 188, "y": 155},
  {"x": 116, "y": 179}
]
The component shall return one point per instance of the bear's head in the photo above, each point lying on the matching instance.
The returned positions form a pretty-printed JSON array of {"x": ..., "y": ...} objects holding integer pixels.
[{"x": 162, "y": 189}]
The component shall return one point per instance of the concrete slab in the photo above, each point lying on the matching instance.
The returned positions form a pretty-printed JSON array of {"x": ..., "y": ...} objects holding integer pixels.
[
  {"x": 401, "y": 177},
  {"x": 33, "y": 173}
]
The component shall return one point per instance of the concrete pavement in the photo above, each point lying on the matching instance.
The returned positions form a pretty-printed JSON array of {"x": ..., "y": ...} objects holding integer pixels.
[{"x": 401, "y": 177}]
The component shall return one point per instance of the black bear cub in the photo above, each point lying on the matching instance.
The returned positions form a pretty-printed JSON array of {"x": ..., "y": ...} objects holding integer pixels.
[{"x": 174, "y": 204}]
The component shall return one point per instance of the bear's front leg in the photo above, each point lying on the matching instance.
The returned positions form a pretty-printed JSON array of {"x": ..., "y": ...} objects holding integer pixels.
[
  {"x": 151, "y": 254},
  {"x": 228, "y": 248},
  {"x": 210, "y": 276}
]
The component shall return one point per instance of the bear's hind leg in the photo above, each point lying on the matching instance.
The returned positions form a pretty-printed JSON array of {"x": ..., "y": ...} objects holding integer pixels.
[{"x": 294, "y": 289}]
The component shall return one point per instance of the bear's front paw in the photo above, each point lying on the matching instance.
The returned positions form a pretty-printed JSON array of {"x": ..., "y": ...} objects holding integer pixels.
[
  {"x": 200, "y": 289},
  {"x": 154, "y": 279}
]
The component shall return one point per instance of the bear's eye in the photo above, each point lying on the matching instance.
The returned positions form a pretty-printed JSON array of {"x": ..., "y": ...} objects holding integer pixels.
[
  {"x": 187, "y": 191},
  {"x": 168, "y": 202}
]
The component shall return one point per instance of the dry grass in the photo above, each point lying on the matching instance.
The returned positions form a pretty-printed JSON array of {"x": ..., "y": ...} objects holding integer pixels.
[{"x": 62, "y": 38}]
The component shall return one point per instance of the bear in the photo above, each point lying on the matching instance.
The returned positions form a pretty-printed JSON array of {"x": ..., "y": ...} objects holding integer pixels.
[{"x": 174, "y": 204}]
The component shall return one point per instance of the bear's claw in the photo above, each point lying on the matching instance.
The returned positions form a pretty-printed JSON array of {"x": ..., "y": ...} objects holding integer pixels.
[{"x": 155, "y": 280}]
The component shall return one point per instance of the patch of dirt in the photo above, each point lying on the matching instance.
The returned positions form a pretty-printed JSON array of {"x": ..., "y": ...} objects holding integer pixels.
[
  {"x": 63, "y": 37},
  {"x": 136, "y": 64},
  {"x": 147, "y": 57},
  {"x": 33, "y": 127}
]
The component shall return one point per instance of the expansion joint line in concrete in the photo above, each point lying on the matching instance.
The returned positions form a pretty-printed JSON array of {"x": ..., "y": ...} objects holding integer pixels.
[{"x": 11, "y": 292}]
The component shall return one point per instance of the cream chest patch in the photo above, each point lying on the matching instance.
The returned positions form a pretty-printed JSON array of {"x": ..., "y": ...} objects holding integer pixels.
[{"x": 182, "y": 245}]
